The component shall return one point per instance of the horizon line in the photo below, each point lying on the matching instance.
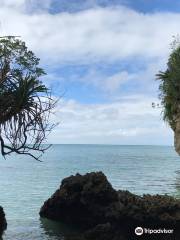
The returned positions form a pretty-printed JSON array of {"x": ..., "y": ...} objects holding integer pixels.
[{"x": 110, "y": 144}]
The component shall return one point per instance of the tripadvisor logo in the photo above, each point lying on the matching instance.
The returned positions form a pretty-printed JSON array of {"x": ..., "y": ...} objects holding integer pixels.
[{"x": 139, "y": 231}]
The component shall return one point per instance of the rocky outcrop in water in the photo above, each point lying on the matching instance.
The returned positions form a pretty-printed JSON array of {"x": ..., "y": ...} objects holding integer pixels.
[
  {"x": 104, "y": 213},
  {"x": 3, "y": 223},
  {"x": 83, "y": 200}
]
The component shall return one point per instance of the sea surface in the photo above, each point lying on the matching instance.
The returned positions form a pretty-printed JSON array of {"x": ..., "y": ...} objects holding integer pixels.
[{"x": 25, "y": 183}]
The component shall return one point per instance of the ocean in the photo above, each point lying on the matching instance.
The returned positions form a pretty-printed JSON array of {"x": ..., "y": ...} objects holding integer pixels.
[{"x": 26, "y": 183}]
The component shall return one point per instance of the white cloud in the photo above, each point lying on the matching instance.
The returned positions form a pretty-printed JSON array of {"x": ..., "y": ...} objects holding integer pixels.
[
  {"x": 98, "y": 34},
  {"x": 108, "y": 84},
  {"x": 132, "y": 121},
  {"x": 113, "y": 84},
  {"x": 26, "y": 5},
  {"x": 12, "y": 3}
]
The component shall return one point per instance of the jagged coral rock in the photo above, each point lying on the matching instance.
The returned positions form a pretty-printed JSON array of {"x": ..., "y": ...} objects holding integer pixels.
[{"x": 90, "y": 201}]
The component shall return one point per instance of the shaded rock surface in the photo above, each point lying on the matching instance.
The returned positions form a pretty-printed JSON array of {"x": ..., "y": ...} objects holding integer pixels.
[
  {"x": 177, "y": 135},
  {"x": 104, "y": 213},
  {"x": 3, "y": 223},
  {"x": 82, "y": 200}
]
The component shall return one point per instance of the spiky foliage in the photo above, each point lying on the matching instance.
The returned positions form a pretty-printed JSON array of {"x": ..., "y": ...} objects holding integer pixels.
[
  {"x": 25, "y": 103},
  {"x": 170, "y": 87}
]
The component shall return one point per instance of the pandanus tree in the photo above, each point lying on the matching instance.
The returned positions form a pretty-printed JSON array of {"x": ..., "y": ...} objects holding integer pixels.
[
  {"x": 25, "y": 102},
  {"x": 170, "y": 92}
]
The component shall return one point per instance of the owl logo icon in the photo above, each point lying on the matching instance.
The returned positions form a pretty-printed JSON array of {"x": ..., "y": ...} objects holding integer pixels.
[{"x": 139, "y": 231}]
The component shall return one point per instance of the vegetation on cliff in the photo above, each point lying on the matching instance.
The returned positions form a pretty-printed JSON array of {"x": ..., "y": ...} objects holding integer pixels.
[{"x": 170, "y": 86}]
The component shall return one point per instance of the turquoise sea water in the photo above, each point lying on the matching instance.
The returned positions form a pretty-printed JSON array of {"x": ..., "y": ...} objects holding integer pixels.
[{"x": 26, "y": 184}]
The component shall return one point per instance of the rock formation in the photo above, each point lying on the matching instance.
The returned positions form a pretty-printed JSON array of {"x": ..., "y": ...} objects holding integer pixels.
[
  {"x": 107, "y": 214},
  {"x": 169, "y": 92},
  {"x": 81, "y": 199},
  {"x": 3, "y": 224},
  {"x": 177, "y": 136}
]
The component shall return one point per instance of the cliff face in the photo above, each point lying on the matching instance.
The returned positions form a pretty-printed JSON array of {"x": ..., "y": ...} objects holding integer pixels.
[
  {"x": 3, "y": 223},
  {"x": 177, "y": 136},
  {"x": 107, "y": 214}
]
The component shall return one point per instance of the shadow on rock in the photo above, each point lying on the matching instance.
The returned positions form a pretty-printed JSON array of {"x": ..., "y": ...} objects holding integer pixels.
[{"x": 3, "y": 223}]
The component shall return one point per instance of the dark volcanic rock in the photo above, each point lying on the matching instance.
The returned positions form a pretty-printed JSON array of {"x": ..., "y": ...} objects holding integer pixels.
[
  {"x": 81, "y": 200},
  {"x": 107, "y": 214},
  {"x": 3, "y": 224},
  {"x": 149, "y": 209}
]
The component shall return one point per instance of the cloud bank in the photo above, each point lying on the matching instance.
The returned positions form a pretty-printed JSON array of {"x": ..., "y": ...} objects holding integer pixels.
[
  {"x": 93, "y": 37},
  {"x": 130, "y": 121},
  {"x": 99, "y": 34}
]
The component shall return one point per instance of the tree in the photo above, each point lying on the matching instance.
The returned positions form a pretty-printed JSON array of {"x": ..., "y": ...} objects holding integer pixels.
[
  {"x": 170, "y": 92},
  {"x": 25, "y": 102},
  {"x": 170, "y": 86}
]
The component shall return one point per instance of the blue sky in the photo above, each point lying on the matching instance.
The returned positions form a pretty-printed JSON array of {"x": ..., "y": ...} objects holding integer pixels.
[
  {"x": 101, "y": 58},
  {"x": 145, "y": 6}
]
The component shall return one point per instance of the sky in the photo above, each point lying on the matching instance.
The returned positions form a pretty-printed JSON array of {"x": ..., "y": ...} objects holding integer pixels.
[{"x": 101, "y": 58}]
